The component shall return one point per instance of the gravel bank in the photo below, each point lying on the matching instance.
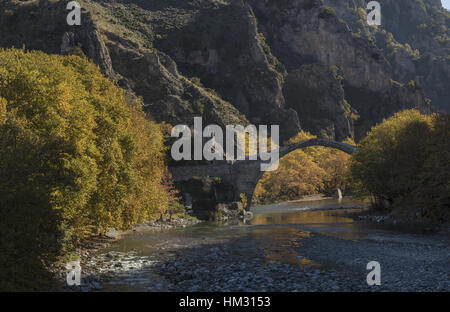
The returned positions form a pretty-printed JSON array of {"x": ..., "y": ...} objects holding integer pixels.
[
  {"x": 407, "y": 264},
  {"x": 96, "y": 266},
  {"x": 322, "y": 263}
]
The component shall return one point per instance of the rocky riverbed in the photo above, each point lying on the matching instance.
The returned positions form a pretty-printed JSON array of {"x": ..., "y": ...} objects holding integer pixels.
[
  {"x": 95, "y": 263},
  {"x": 311, "y": 251}
]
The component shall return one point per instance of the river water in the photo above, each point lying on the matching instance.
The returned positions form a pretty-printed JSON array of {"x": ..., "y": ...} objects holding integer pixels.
[{"x": 152, "y": 261}]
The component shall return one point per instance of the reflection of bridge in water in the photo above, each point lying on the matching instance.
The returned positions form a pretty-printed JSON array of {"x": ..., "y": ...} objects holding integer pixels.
[{"x": 243, "y": 175}]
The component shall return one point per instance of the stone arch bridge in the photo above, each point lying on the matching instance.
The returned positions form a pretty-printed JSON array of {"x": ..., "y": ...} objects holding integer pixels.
[{"x": 240, "y": 176}]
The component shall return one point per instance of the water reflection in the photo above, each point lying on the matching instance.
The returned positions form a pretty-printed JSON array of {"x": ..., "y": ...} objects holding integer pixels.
[
  {"x": 303, "y": 217},
  {"x": 280, "y": 226},
  {"x": 280, "y": 244},
  {"x": 328, "y": 216},
  {"x": 310, "y": 205},
  {"x": 276, "y": 233}
]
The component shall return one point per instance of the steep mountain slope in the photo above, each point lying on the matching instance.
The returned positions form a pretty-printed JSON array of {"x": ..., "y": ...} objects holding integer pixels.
[
  {"x": 309, "y": 32},
  {"x": 309, "y": 63},
  {"x": 140, "y": 69},
  {"x": 415, "y": 39}
]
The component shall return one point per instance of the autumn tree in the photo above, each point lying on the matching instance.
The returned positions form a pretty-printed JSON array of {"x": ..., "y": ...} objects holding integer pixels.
[
  {"x": 432, "y": 193},
  {"x": 389, "y": 160},
  {"x": 309, "y": 171},
  {"x": 404, "y": 164},
  {"x": 78, "y": 157}
]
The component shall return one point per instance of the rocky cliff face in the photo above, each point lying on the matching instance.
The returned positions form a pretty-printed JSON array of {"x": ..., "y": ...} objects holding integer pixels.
[
  {"x": 312, "y": 33},
  {"x": 320, "y": 102},
  {"x": 224, "y": 48},
  {"x": 146, "y": 72},
  {"x": 414, "y": 38},
  {"x": 314, "y": 64}
]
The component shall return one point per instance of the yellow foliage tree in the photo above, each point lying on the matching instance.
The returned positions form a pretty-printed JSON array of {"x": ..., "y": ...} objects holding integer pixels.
[
  {"x": 310, "y": 171},
  {"x": 388, "y": 162},
  {"x": 404, "y": 163},
  {"x": 77, "y": 156}
]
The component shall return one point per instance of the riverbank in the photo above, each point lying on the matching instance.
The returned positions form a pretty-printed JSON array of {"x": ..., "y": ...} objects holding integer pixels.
[
  {"x": 292, "y": 258},
  {"x": 329, "y": 264},
  {"x": 96, "y": 243},
  {"x": 92, "y": 245},
  {"x": 304, "y": 198},
  {"x": 298, "y": 246},
  {"x": 398, "y": 221}
]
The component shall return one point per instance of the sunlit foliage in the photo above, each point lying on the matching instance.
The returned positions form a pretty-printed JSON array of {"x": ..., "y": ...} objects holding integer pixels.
[
  {"x": 404, "y": 163},
  {"x": 77, "y": 157},
  {"x": 308, "y": 171}
]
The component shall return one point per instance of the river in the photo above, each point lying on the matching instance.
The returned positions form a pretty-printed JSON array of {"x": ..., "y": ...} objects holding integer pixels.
[{"x": 308, "y": 245}]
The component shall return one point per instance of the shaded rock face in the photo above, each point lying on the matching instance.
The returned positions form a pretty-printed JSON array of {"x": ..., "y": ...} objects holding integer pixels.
[
  {"x": 167, "y": 95},
  {"x": 423, "y": 26},
  {"x": 210, "y": 199},
  {"x": 320, "y": 101},
  {"x": 304, "y": 32},
  {"x": 90, "y": 39},
  {"x": 402, "y": 18},
  {"x": 224, "y": 48},
  {"x": 296, "y": 63},
  {"x": 308, "y": 35},
  {"x": 418, "y": 26},
  {"x": 42, "y": 26}
]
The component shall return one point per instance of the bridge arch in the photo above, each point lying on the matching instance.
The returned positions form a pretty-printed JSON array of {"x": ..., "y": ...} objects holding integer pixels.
[
  {"x": 243, "y": 175},
  {"x": 247, "y": 176}
]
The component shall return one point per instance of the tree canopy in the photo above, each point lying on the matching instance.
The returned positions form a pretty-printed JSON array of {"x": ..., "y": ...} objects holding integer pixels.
[
  {"x": 78, "y": 157},
  {"x": 308, "y": 171},
  {"x": 403, "y": 163}
]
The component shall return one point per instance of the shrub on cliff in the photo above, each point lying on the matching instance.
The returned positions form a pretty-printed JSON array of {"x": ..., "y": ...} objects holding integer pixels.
[
  {"x": 77, "y": 157},
  {"x": 326, "y": 12}
]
